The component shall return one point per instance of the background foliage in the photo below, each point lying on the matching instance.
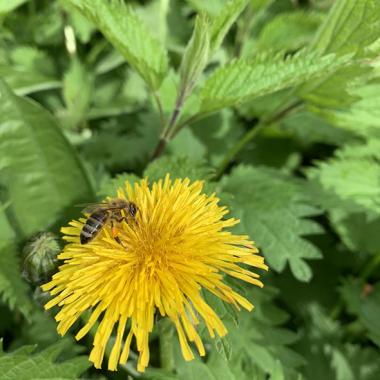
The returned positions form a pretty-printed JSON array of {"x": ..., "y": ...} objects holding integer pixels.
[{"x": 275, "y": 103}]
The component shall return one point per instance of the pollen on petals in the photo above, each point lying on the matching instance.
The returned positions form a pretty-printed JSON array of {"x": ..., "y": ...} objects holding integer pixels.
[{"x": 178, "y": 244}]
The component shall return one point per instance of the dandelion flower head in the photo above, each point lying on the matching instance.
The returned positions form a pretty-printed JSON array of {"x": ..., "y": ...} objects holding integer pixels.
[{"x": 178, "y": 245}]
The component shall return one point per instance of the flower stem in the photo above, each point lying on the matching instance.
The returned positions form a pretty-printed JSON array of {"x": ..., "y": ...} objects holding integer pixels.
[{"x": 166, "y": 344}]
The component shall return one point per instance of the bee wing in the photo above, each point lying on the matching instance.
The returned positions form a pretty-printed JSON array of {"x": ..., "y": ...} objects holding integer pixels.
[{"x": 88, "y": 208}]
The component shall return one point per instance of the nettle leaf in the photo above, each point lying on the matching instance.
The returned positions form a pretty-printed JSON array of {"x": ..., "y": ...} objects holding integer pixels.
[
  {"x": 363, "y": 116},
  {"x": 329, "y": 356},
  {"x": 123, "y": 28},
  {"x": 13, "y": 289},
  {"x": 40, "y": 174},
  {"x": 212, "y": 7},
  {"x": 77, "y": 93},
  {"x": 347, "y": 187},
  {"x": 260, "y": 340},
  {"x": 310, "y": 129},
  {"x": 109, "y": 187},
  {"x": 354, "y": 179},
  {"x": 224, "y": 20},
  {"x": 22, "y": 364},
  {"x": 363, "y": 363},
  {"x": 27, "y": 69},
  {"x": 177, "y": 167},
  {"x": 273, "y": 210},
  {"x": 185, "y": 143},
  {"x": 24, "y": 81},
  {"x": 196, "y": 55},
  {"x": 351, "y": 27},
  {"x": 260, "y": 347},
  {"x": 243, "y": 80},
  {"x": 365, "y": 306},
  {"x": 116, "y": 96},
  {"x": 123, "y": 146},
  {"x": 289, "y": 31},
  {"x": 334, "y": 91}
]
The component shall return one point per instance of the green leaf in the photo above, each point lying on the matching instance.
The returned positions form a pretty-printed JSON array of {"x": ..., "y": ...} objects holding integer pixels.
[
  {"x": 24, "y": 81},
  {"x": 9, "y": 5},
  {"x": 40, "y": 174},
  {"x": 122, "y": 27},
  {"x": 185, "y": 143},
  {"x": 177, "y": 167},
  {"x": 22, "y": 364},
  {"x": 110, "y": 186},
  {"x": 365, "y": 306},
  {"x": 224, "y": 20},
  {"x": 27, "y": 69},
  {"x": 264, "y": 199},
  {"x": 196, "y": 55},
  {"x": 356, "y": 362},
  {"x": 218, "y": 133},
  {"x": 350, "y": 27},
  {"x": 363, "y": 116},
  {"x": 289, "y": 31},
  {"x": 310, "y": 129},
  {"x": 329, "y": 356},
  {"x": 335, "y": 90},
  {"x": 356, "y": 226},
  {"x": 352, "y": 177},
  {"x": 117, "y": 96},
  {"x": 346, "y": 185},
  {"x": 243, "y": 80},
  {"x": 193, "y": 370},
  {"x": 13, "y": 289},
  {"x": 261, "y": 341},
  {"x": 77, "y": 91},
  {"x": 124, "y": 146},
  {"x": 211, "y": 7}
]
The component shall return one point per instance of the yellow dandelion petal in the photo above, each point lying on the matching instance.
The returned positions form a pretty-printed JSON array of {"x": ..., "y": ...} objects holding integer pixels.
[{"x": 176, "y": 246}]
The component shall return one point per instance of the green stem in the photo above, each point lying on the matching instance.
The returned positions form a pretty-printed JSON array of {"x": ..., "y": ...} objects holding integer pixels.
[
  {"x": 160, "y": 109},
  {"x": 237, "y": 148},
  {"x": 190, "y": 120},
  {"x": 166, "y": 344},
  {"x": 370, "y": 268},
  {"x": 164, "y": 138},
  {"x": 251, "y": 134}
]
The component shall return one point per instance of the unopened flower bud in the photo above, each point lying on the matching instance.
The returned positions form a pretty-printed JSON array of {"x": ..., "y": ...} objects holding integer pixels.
[{"x": 40, "y": 257}]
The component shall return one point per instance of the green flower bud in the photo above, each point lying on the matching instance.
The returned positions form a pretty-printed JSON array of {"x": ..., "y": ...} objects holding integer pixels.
[{"x": 40, "y": 258}]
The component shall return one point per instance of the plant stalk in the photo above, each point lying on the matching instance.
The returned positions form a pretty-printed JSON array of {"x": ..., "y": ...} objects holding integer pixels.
[
  {"x": 237, "y": 148},
  {"x": 160, "y": 109},
  {"x": 166, "y": 345},
  {"x": 251, "y": 134},
  {"x": 370, "y": 268},
  {"x": 166, "y": 133}
]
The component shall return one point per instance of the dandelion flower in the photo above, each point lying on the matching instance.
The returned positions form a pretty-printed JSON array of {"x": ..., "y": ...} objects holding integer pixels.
[{"x": 177, "y": 246}]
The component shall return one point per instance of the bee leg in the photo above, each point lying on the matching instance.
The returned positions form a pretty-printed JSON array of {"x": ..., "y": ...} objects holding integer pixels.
[
  {"x": 119, "y": 241},
  {"x": 114, "y": 234},
  {"x": 127, "y": 219}
]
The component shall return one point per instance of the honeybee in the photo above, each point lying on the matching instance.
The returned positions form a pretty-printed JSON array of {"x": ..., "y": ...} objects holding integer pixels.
[{"x": 103, "y": 213}]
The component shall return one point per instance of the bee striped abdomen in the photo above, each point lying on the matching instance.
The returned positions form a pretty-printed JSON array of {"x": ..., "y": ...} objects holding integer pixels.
[{"x": 93, "y": 226}]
